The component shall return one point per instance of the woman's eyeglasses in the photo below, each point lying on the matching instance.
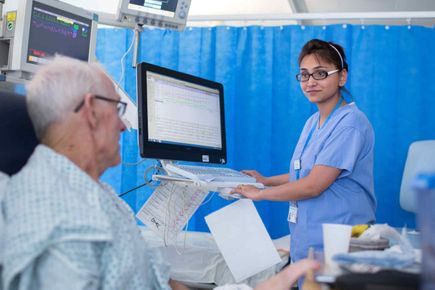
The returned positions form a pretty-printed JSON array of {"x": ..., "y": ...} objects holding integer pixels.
[{"x": 317, "y": 75}]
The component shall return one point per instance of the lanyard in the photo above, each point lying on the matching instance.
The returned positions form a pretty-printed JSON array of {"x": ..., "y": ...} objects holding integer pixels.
[
  {"x": 293, "y": 209},
  {"x": 297, "y": 162}
]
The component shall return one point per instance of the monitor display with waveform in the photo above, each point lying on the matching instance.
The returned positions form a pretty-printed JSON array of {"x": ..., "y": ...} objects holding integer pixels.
[
  {"x": 54, "y": 31},
  {"x": 159, "y": 7}
]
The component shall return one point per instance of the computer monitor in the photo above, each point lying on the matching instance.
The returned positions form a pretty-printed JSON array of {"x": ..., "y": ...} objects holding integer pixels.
[
  {"x": 47, "y": 27},
  {"x": 171, "y": 14},
  {"x": 181, "y": 116}
]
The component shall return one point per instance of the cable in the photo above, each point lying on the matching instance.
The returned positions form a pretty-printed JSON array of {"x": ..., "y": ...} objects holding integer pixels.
[
  {"x": 122, "y": 61},
  {"x": 134, "y": 163},
  {"x": 137, "y": 187},
  {"x": 186, "y": 227},
  {"x": 185, "y": 230},
  {"x": 210, "y": 198},
  {"x": 168, "y": 216},
  {"x": 177, "y": 250},
  {"x": 157, "y": 169},
  {"x": 148, "y": 182}
]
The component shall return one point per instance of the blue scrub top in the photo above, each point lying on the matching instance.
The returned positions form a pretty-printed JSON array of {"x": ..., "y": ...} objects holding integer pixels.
[{"x": 345, "y": 142}]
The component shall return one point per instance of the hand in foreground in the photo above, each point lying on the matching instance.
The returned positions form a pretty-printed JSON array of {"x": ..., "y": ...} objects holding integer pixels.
[
  {"x": 289, "y": 275},
  {"x": 248, "y": 191}
]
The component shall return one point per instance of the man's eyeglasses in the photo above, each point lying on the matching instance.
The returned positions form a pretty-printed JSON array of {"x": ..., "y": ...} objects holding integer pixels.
[
  {"x": 317, "y": 75},
  {"x": 120, "y": 106}
]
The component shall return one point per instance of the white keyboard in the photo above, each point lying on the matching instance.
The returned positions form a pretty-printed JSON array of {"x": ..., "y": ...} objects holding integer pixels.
[{"x": 210, "y": 174}]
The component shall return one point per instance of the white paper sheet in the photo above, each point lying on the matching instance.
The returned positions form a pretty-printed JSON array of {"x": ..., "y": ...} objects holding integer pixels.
[
  {"x": 170, "y": 207},
  {"x": 242, "y": 239}
]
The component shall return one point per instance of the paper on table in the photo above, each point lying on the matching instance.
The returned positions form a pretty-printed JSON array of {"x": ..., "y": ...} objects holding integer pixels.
[{"x": 242, "y": 239}]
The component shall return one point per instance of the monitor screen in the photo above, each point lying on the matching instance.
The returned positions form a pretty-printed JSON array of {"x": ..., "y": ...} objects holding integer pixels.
[
  {"x": 54, "y": 31},
  {"x": 166, "y": 8},
  {"x": 181, "y": 117},
  {"x": 46, "y": 27}
]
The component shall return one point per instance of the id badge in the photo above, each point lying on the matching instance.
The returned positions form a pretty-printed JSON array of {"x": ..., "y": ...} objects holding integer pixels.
[
  {"x": 297, "y": 164},
  {"x": 293, "y": 213}
]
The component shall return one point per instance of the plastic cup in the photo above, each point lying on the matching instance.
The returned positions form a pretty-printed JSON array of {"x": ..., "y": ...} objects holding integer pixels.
[{"x": 336, "y": 239}]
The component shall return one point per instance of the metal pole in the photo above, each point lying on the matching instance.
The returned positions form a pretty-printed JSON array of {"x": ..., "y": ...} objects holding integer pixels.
[
  {"x": 315, "y": 16},
  {"x": 110, "y": 19},
  {"x": 137, "y": 30}
]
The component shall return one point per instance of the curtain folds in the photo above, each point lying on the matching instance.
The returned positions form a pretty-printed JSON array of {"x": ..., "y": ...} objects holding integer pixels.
[{"x": 391, "y": 80}]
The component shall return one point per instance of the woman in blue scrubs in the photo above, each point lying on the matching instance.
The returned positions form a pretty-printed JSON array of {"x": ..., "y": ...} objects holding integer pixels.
[{"x": 331, "y": 171}]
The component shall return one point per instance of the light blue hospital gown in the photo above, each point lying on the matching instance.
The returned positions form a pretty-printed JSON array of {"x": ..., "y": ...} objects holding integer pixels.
[
  {"x": 4, "y": 179},
  {"x": 345, "y": 142},
  {"x": 66, "y": 231}
]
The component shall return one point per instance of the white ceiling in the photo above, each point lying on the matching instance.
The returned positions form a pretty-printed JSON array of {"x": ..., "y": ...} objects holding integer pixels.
[{"x": 240, "y": 9}]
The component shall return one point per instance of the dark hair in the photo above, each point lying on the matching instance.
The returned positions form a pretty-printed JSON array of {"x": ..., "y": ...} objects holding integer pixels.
[{"x": 327, "y": 51}]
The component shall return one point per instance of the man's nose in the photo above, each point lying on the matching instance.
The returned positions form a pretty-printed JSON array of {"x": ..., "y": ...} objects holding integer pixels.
[{"x": 122, "y": 126}]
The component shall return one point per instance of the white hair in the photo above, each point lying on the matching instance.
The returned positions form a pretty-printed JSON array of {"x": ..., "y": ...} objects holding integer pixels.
[{"x": 58, "y": 88}]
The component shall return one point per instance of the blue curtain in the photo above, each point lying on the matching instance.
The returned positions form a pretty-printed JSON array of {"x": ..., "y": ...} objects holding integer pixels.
[{"x": 391, "y": 76}]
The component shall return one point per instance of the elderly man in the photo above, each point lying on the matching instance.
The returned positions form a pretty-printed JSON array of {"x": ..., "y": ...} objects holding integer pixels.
[{"x": 64, "y": 228}]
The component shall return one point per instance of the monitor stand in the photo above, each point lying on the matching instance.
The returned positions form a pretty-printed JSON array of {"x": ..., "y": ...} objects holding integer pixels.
[{"x": 163, "y": 164}]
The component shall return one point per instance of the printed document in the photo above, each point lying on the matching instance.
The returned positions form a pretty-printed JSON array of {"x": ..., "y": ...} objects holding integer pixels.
[{"x": 169, "y": 208}]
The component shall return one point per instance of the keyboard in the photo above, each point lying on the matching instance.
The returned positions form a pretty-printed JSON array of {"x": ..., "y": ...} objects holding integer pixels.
[{"x": 210, "y": 174}]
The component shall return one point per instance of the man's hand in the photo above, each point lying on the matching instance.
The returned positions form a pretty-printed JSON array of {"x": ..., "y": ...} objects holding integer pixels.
[{"x": 175, "y": 285}]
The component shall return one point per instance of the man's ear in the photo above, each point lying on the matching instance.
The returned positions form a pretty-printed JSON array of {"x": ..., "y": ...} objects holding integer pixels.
[{"x": 89, "y": 110}]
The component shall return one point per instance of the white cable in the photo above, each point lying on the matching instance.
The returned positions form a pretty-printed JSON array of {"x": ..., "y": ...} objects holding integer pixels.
[
  {"x": 165, "y": 221},
  {"x": 184, "y": 240},
  {"x": 122, "y": 61},
  {"x": 210, "y": 198},
  {"x": 167, "y": 218},
  {"x": 185, "y": 232},
  {"x": 134, "y": 163}
]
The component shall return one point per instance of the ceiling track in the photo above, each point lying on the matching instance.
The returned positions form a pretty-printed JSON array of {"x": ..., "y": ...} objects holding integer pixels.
[{"x": 406, "y": 15}]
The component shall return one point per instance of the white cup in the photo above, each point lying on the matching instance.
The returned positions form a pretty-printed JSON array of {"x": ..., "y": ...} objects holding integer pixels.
[{"x": 336, "y": 239}]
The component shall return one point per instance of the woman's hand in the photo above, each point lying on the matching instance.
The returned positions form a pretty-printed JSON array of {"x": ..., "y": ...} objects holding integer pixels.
[
  {"x": 258, "y": 177},
  {"x": 248, "y": 191}
]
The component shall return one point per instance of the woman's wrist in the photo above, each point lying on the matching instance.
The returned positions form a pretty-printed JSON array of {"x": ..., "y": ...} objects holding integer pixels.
[
  {"x": 262, "y": 194},
  {"x": 266, "y": 181}
]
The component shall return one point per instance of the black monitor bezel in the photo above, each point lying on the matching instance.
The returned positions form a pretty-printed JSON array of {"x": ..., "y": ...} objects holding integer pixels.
[{"x": 155, "y": 150}]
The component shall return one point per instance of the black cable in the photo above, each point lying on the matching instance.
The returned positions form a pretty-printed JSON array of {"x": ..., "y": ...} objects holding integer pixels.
[
  {"x": 148, "y": 182},
  {"x": 137, "y": 187}
]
